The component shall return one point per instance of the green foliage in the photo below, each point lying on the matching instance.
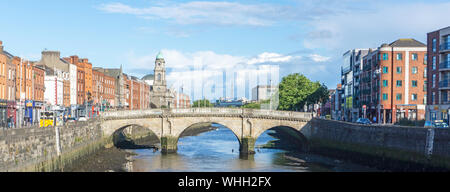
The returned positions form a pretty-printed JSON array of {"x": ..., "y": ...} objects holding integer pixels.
[
  {"x": 296, "y": 90},
  {"x": 256, "y": 105},
  {"x": 202, "y": 103},
  {"x": 252, "y": 106}
]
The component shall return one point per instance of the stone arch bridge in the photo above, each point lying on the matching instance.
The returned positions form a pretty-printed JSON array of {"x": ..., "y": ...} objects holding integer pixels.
[{"x": 168, "y": 124}]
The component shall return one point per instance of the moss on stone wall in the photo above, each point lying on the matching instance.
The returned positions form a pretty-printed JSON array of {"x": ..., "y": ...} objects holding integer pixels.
[
  {"x": 247, "y": 145},
  {"x": 381, "y": 157},
  {"x": 169, "y": 144}
]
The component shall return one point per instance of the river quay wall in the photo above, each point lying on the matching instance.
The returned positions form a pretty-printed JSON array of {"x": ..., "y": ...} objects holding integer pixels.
[
  {"x": 428, "y": 147},
  {"x": 48, "y": 149}
]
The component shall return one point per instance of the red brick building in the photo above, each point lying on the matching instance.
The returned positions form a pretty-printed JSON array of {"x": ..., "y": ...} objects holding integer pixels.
[
  {"x": 38, "y": 83},
  {"x": 181, "y": 100},
  {"x": 103, "y": 88},
  {"x": 438, "y": 64},
  {"x": 393, "y": 81}
]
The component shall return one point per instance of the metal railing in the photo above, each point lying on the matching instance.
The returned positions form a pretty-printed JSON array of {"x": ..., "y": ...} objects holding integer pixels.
[
  {"x": 444, "y": 65},
  {"x": 444, "y": 46},
  {"x": 444, "y": 83}
]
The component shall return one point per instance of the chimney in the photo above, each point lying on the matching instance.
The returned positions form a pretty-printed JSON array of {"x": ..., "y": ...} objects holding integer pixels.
[{"x": 1, "y": 46}]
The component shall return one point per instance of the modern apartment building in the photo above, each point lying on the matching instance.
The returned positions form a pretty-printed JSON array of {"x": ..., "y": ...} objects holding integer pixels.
[
  {"x": 438, "y": 60},
  {"x": 350, "y": 81},
  {"x": 393, "y": 81}
]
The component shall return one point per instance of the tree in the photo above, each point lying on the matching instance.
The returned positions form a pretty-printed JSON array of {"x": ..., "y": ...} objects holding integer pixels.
[
  {"x": 296, "y": 90},
  {"x": 202, "y": 103},
  {"x": 256, "y": 105}
]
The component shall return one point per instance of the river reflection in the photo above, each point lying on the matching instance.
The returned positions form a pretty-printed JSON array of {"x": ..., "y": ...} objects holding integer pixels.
[{"x": 219, "y": 151}]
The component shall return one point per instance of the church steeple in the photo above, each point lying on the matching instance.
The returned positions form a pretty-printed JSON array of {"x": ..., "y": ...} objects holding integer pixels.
[
  {"x": 160, "y": 72},
  {"x": 160, "y": 96}
]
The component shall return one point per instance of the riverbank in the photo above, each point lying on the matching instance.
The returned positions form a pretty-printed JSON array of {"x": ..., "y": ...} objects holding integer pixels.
[
  {"x": 285, "y": 141},
  {"x": 114, "y": 158}
]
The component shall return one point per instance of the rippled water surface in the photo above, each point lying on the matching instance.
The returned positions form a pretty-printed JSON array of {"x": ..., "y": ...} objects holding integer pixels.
[{"x": 219, "y": 151}]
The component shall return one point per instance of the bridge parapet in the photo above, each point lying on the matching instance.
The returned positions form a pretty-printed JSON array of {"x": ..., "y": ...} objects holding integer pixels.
[
  {"x": 131, "y": 113},
  {"x": 207, "y": 111},
  {"x": 288, "y": 114}
]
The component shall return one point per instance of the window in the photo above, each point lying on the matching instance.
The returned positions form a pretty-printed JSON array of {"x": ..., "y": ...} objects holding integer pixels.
[
  {"x": 414, "y": 83},
  {"x": 385, "y": 83},
  {"x": 385, "y": 69},
  {"x": 425, "y": 72},
  {"x": 385, "y": 56},
  {"x": 399, "y": 56},
  {"x": 434, "y": 80},
  {"x": 425, "y": 84},
  {"x": 399, "y": 70},
  {"x": 414, "y": 70},
  {"x": 425, "y": 59},
  {"x": 433, "y": 95},
  {"x": 414, "y": 97},
  {"x": 385, "y": 96},
  {"x": 425, "y": 99},
  {"x": 434, "y": 45},
  {"x": 414, "y": 56},
  {"x": 434, "y": 62},
  {"x": 399, "y": 83},
  {"x": 399, "y": 97}
]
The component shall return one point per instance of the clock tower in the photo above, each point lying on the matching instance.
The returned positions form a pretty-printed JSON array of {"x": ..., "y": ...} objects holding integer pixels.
[{"x": 160, "y": 95}]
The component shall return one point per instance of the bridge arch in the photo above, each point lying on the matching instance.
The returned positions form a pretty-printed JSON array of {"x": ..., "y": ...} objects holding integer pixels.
[
  {"x": 296, "y": 139},
  {"x": 200, "y": 123},
  {"x": 120, "y": 139},
  {"x": 110, "y": 127},
  {"x": 182, "y": 123}
]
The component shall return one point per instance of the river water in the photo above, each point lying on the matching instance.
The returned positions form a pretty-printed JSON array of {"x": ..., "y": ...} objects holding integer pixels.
[{"x": 218, "y": 150}]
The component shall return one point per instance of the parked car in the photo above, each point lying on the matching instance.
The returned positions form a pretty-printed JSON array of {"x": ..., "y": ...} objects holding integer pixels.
[
  {"x": 440, "y": 124},
  {"x": 82, "y": 119},
  {"x": 364, "y": 121},
  {"x": 71, "y": 119}
]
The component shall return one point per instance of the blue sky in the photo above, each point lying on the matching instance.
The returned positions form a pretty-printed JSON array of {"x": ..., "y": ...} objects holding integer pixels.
[{"x": 304, "y": 36}]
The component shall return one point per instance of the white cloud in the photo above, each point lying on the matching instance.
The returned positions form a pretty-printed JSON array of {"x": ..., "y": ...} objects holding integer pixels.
[
  {"x": 319, "y": 58},
  {"x": 203, "y": 70},
  {"x": 229, "y": 13},
  {"x": 380, "y": 24},
  {"x": 270, "y": 57}
]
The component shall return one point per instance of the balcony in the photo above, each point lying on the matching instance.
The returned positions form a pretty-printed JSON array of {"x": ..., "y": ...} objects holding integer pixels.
[
  {"x": 445, "y": 47},
  {"x": 444, "y": 66},
  {"x": 445, "y": 84},
  {"x": 345, "y": 70}
]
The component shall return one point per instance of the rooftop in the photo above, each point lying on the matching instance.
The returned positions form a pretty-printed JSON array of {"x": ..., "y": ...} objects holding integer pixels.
[
  {"x": 407, "y": 43},
  {"x": 148, "y": 77}
]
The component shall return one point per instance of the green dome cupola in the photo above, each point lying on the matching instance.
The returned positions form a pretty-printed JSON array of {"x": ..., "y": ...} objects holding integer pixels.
[{"x": 159, "y": 56}]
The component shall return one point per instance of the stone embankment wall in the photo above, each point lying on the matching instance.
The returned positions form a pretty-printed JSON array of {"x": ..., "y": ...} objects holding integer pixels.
[
  {"x": 48, "y": 149},
  {"x": 426, "y": 146}
]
